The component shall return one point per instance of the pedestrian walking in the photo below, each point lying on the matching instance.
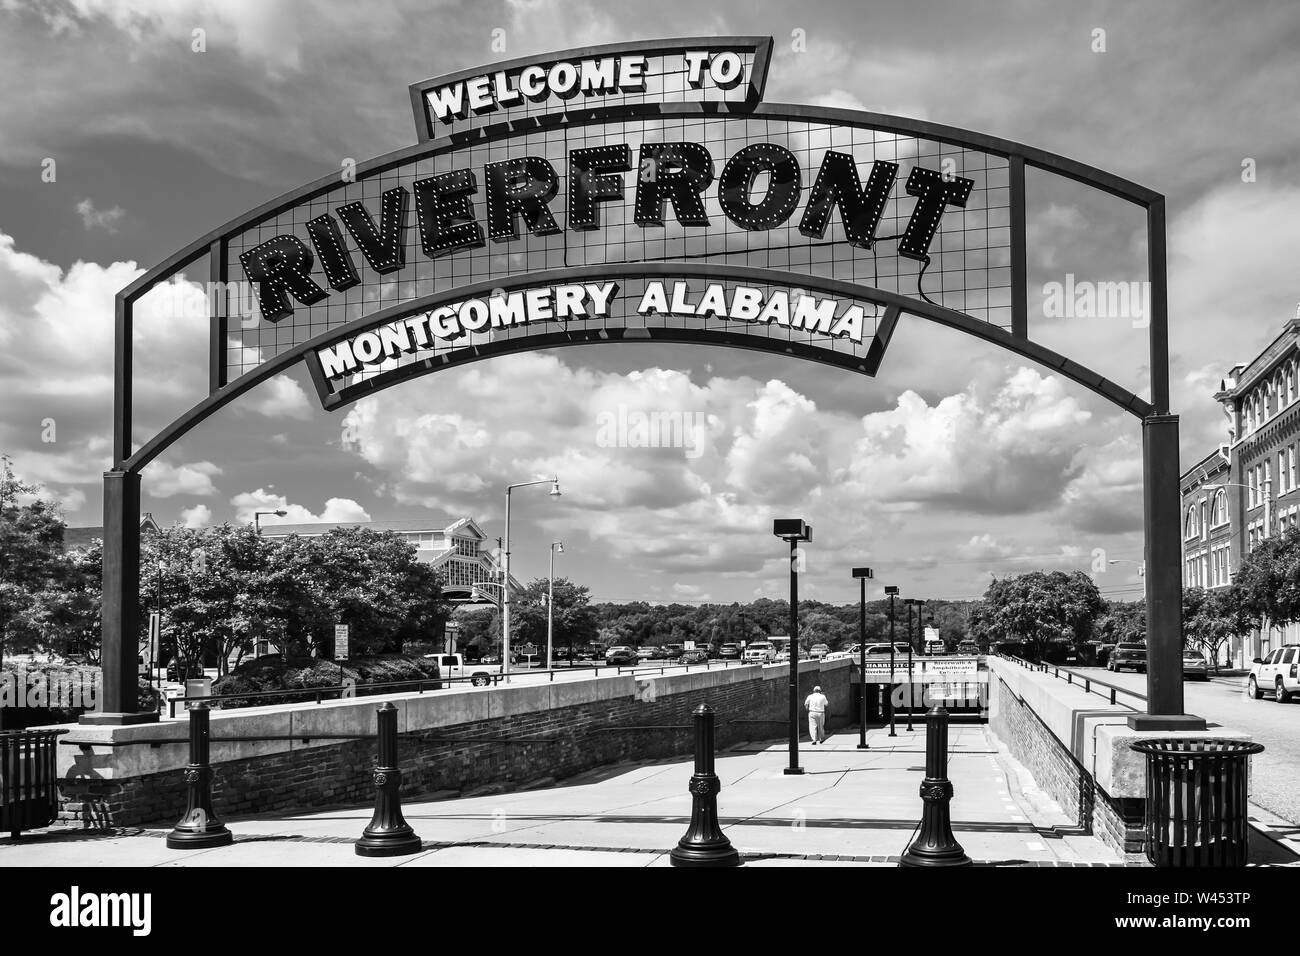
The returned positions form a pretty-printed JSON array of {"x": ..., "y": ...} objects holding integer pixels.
[{"x": 816, "y": 704}]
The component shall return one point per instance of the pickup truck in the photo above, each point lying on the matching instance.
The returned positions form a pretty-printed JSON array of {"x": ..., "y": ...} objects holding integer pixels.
[{"x": 455, "y": 665}]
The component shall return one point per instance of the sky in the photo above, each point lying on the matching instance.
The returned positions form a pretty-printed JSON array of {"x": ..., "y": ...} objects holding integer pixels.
[{"x": 959, "y": 461}]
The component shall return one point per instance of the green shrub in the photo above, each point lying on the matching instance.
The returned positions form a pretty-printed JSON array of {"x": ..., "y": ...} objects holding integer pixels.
[
  {"x": 275, "y": 672},
  {"x": 16, "y": 715}
]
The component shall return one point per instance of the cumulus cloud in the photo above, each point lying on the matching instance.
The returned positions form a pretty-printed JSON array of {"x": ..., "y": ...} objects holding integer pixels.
[
  {"x": 163, "y": 480},
  {"x": 280, "y": 397},
  {"x": 1008, "y": 452},
  {"x": 56, "y": 347},
  {"x": 200, "y": 516},
  {"x": 93, "y": 218},
  {"x": 336, "y": 509}
]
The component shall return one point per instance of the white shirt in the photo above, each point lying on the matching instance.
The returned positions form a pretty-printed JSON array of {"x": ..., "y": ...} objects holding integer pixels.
[{"x": 816, "y": 703}]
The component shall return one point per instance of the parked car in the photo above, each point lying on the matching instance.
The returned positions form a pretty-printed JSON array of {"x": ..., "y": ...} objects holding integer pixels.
[
  {"x": 695, "y": 655},
  {"x": 819, "y": 650},
  {"x": 729, "y": 652},
  {"x": 621, "y": 654},
  {"x": 900, "y": 647},
  {"x": 760, "y": 652},
  {"x": 1133, "y": 656},
  {"x": 179, "y": 670},
  {"x": 968, "y": 647},
  {"x": 1194, "y": 665},
  {"x": 1277, "y": 672},
  {"x": 1103, "y": 653}
]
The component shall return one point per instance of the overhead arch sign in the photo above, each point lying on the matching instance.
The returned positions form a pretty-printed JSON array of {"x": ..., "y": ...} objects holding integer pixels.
[{"x": 637, "y": 192}]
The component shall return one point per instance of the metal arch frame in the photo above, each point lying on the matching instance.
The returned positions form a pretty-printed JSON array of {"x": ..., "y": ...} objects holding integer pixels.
[
  {"x": 1019, "y": 157},
  {"x": 1160, "y": 428}
]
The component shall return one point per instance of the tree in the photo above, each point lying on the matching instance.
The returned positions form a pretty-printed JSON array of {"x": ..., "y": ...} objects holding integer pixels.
[
  {"x": 1123, "y": 622},
  {"x": 1266, "y": 588},
  {"x": 224, "y": 588},
  {"x": 1211, "y": 618},
  {"x": 33, "y": 567},
  {"x": 1039, "y": 608},
  {"x": 574, "y": 620}
]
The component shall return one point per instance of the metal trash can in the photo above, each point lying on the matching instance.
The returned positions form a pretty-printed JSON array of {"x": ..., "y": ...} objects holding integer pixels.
[
  {"x": 1196, "y": 801},
  {"x": 29, "y": 786}
]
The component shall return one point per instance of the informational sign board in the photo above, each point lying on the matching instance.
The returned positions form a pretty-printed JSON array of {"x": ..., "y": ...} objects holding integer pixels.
[
  {"x": 924, "y": 670},
  {"x": 340, "y": 642},
  {"x": 149, "y": 649},
  {"x": 689, "y": 645}
]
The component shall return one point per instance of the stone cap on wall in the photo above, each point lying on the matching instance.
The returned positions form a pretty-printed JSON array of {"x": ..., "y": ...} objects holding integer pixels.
[
  {"x": 1092, "y": 729},
  {"x": 113, "y": 752}
]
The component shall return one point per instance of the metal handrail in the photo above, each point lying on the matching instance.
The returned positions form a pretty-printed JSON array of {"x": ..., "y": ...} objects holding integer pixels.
[{"x": 1087, "y": 679}]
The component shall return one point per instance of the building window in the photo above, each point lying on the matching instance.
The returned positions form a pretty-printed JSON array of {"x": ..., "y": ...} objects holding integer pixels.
[
  {"x": 1220, "y": 510},
  {"x": 1189, "y": 525},
  {"x": 1282, "y": 486},
  {"x": 1250, "y": 488}
]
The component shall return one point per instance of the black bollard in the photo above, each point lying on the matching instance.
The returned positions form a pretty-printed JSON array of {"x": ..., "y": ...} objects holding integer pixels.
[
  {"x": 199, "y": 828},
  {"x": 935, "y": 845},
  {"x": 704, "y": 843},
  {"x": 388, "y": 833}
]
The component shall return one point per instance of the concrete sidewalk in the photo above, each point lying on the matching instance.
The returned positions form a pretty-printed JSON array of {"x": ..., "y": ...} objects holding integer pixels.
[{"x": 851, "y": 807}]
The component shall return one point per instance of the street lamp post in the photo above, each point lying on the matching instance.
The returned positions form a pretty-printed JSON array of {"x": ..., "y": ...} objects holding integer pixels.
[
  {"x": 554, "y": 482},
  {"x": 911, "y": 644},
  {"x": 793, "y": 530},
  {"x": 892, "y": 591},
  {"x": 862, "y": 574},
  {"x": 556, "y": 546},
  {"x": 257, "y": 518}
]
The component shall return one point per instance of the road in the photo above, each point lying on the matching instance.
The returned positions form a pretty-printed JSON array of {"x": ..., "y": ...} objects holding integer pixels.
[{"x": 1222, "y": 701}]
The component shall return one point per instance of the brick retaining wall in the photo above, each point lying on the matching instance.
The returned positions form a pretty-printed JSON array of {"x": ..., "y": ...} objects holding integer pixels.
[
  {"x": 1117, "y": 822},
  {"x": 585, "y": 735}
]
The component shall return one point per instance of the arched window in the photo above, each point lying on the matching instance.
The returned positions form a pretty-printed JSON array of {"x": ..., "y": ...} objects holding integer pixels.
[
  {"x": 1219, "y": 514},
  {"x": 1189, "y": 524}
]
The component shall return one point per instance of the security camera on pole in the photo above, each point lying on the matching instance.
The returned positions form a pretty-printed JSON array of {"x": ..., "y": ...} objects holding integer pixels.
[{"x": 793, "y": 530}]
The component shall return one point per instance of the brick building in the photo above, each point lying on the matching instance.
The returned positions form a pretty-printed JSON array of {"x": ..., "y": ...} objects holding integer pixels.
[{"x": 1246, "y": 490}]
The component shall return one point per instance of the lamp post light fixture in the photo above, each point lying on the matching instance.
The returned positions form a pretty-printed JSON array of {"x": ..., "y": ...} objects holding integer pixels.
[
  {"x": 793, "y": 530},
  {"x": 892, "y": 591},
  {"x": 554, "y": 482},
  {"x": 257, "y": 518},
  {"x": 557, "y": 547},
  {"x": 862, "y": 574}
]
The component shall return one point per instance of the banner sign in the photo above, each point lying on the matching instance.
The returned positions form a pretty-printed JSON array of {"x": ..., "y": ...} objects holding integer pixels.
[
  {"x": 719, "y": 70},
  {"x": 924, "y": 670}
]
